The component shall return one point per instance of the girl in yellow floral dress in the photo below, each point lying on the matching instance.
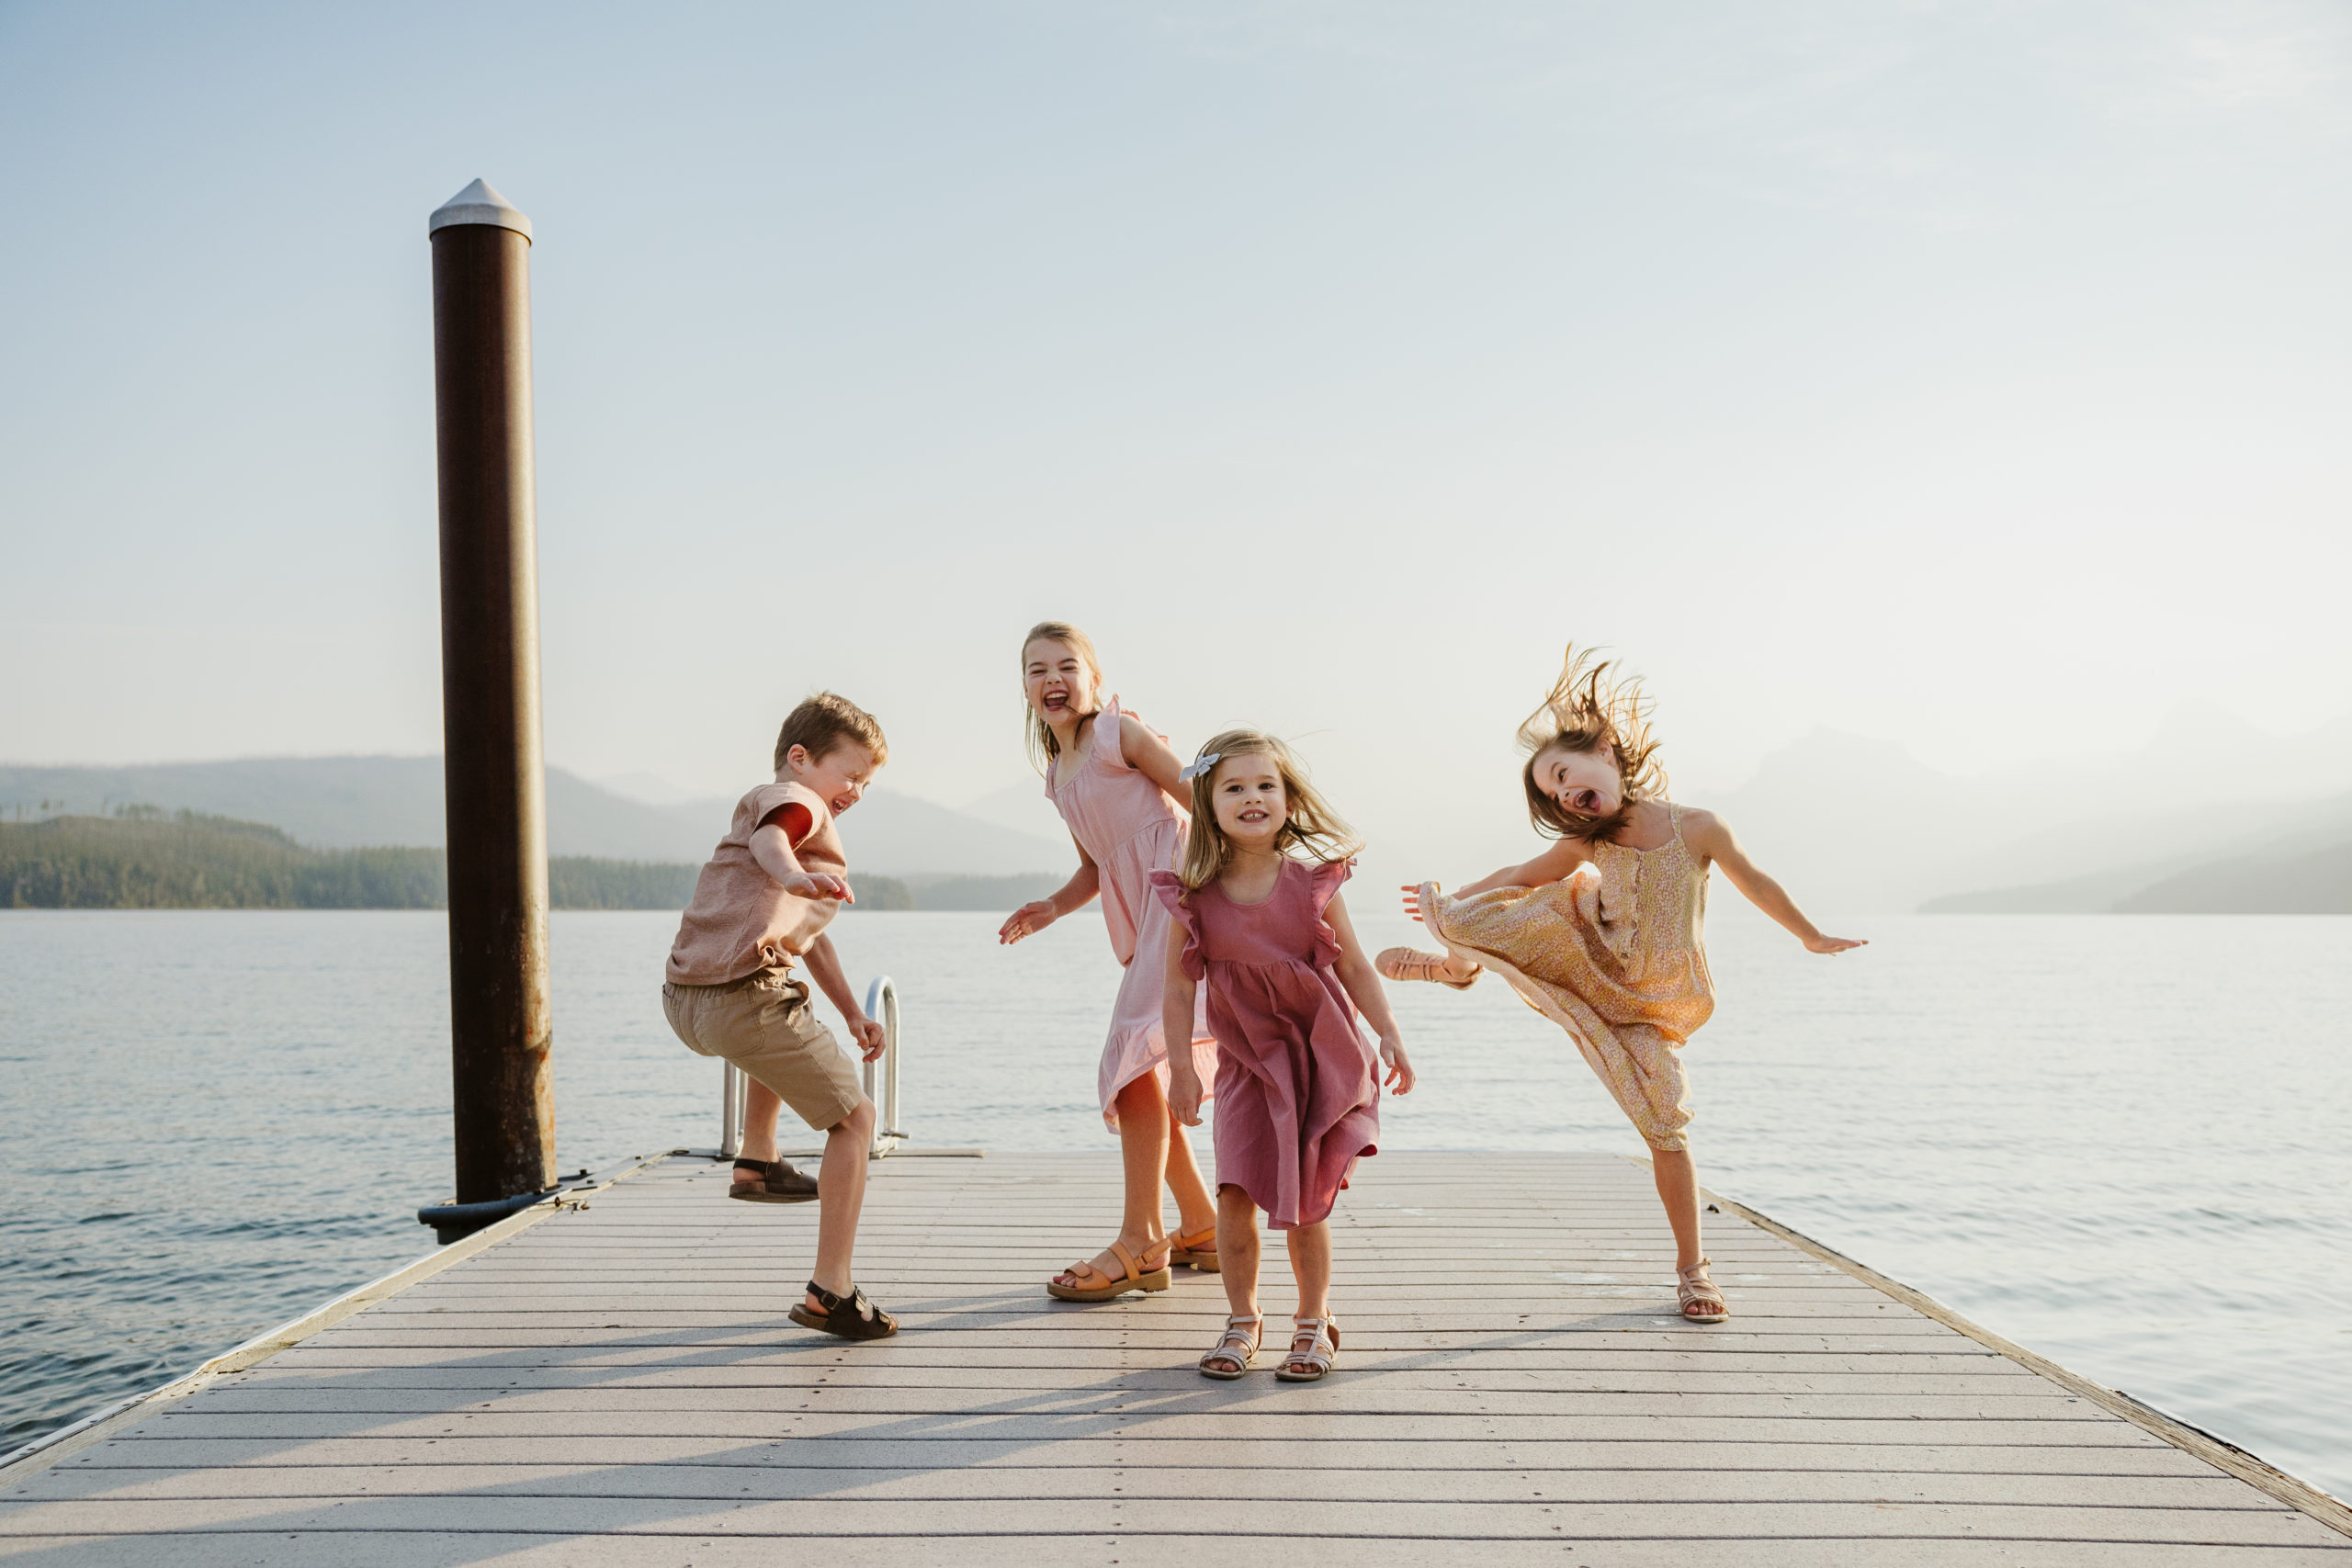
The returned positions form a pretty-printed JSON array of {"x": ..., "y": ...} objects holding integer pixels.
[{"x": 1601, "y": 932}]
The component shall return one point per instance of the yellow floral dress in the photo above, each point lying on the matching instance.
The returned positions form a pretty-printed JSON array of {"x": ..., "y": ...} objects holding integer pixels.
[{"x": 1615, "y": 954}]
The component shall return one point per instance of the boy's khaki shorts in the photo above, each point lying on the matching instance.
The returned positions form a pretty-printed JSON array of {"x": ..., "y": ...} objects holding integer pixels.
[{"x": 764, "y": 1025}]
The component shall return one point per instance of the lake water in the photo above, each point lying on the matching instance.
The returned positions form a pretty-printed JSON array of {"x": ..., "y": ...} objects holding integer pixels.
[{"x": 2124, "y": 1142}]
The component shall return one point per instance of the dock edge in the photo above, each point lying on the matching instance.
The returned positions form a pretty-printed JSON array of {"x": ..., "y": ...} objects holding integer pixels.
[
  {"x": 100, "y": 1425},
  {"x": 2256, "y": 1472}
]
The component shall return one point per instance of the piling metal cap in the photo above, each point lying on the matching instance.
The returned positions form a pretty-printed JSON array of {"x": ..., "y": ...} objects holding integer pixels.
[{"x": 478, "y": 203}]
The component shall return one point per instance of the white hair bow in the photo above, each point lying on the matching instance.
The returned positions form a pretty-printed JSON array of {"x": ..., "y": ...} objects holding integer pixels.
[{"x": 1199, "y": 766}]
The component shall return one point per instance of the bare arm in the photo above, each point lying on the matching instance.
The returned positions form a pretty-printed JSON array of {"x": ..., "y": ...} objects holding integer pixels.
[
  {"x": 1176, "y": 1014},
  {"x": 825, "y": 964},
  {"x": 772, "y": 848},
  {"x": 1151, "y": 756},
  {"x": 1711, "y": 837},
  {"x": 1038, "y": 913},
  {"x": 1558, "y": 862},
  {"x": 1358, "y": 978}
]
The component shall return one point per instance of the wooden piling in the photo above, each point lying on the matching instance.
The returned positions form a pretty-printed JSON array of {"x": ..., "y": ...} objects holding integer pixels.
[{"x": 500, "y": 1023}]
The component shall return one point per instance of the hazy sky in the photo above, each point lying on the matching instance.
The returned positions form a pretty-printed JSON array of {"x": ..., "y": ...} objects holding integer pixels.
[{"x": 1972, "y": 375}]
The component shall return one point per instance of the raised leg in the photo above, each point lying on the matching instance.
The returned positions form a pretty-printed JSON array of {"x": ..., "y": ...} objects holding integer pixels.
[{"x": 760, "y": 1108}]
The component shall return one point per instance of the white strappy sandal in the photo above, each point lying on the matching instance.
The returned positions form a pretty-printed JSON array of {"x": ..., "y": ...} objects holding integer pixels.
[
  {"x": 1695, "y": 1287},
  {"x": 1235, "y": 1347},
  {"x": 1321, "y": 1337}
]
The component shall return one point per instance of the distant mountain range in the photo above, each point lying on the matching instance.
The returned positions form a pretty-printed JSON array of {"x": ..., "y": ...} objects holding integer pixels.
[
  {"x": 351, "y": 802},
  {"x": 2212, "y": 809}
]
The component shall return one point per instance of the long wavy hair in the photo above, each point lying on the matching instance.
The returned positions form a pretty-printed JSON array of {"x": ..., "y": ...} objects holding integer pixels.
[
  {"x": 1591, "y": 705},
  {"x": 1044, "y": 745},
  {"x": 1313, "y": 831}
]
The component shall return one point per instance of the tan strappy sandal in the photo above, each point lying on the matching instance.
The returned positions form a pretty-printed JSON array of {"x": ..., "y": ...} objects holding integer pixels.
[
  {"x": 1321, "y": 1336},
  {"x": 1196, "y": 1251},
  {"x": 1138, "y": 1274},
  {"x": 1235, "y": 1348},
  {"x": 1411, "y": 963},
  {"x": 1695, "y": 1288}
]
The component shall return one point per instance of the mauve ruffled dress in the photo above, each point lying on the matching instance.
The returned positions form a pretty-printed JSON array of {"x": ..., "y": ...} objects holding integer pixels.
[
  {"x": 1129, "y": 828},
  {"x": 1297, "y": 1083}
]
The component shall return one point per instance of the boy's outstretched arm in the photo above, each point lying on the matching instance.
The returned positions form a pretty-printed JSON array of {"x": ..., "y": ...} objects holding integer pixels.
[
  {"x": 1711, "y": 836},
  {"x": 826, "y": 966},
  {"x": 772, "y": 844}
]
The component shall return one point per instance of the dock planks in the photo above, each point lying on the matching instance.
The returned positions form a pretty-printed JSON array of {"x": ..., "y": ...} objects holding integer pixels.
[{"x": 617, "y": 1385}]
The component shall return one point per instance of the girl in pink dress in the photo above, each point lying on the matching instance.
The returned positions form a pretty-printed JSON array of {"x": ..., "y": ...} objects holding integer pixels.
[
  {"x": 1297, "y": 1088},
  {"x": 1114, "y": 780}
]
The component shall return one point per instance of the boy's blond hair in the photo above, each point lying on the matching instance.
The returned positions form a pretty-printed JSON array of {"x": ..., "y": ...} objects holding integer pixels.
[
  {"x": 1312, "y": 826},
  {"x": 1043, "y": 747},
  {"x": 1590, "y": 708},
  {"x": 823, "y": 722}
]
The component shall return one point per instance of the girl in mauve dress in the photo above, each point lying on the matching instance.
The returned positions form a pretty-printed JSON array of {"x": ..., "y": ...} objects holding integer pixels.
[
  {"x": 1114, "y": 780},
  {"x": 1602, "y": 932},
  {"x": 1297, "y": 1087}
]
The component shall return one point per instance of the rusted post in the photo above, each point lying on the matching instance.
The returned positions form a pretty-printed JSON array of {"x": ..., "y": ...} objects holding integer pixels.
[{"x": 501, "y": 1027}]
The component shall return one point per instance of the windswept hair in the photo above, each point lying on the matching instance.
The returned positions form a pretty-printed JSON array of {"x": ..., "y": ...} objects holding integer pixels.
[
  {"x": 1043, "y": 744},
  {"x": 1314, "y": 831},
  {"x": 823, "y": 722},
  {"x": 1592, "y": 706}
]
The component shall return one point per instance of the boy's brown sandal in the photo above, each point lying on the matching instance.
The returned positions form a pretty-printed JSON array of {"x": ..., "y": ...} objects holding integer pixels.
[
  {"x": 851, "y": 1316},
  {"x": 771, "y": 1181}
]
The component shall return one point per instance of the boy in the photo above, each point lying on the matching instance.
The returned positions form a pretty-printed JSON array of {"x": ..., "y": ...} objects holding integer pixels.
[{"x": 762, "y": 905}]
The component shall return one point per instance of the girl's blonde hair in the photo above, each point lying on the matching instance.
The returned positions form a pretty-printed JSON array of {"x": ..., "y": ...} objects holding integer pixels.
[
  {"x": 1043, "y": 744},
  {"x": 1313, "y": 829},
  {"x": 1591, "y": 705}
]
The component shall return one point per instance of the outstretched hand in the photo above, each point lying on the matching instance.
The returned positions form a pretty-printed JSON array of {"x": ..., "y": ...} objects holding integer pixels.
[
  {"x": 1833, "y": 943},
  {"x": 819, "y": 885},
  {"x": 1027, "y": 920}
]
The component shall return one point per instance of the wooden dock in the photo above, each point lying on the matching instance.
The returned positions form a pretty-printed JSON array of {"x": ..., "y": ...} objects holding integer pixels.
[{"x": 617, "y": 1384}]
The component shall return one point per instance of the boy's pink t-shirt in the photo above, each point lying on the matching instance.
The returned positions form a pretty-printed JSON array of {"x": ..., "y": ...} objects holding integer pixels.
[{"x": 741, "y": 920}]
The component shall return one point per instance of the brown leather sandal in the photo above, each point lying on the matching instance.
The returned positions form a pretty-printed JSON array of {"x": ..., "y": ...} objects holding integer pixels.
[
  {"x": 1196, "y": 1251},
  {"x": 771, "y": 1181},
  {"x": 1138, "y": 1274},
  {"x": 852, "y": 1316},
  {"x": 1411, "y": 963}
]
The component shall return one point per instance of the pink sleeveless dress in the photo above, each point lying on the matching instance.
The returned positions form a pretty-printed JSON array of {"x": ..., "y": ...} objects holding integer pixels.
[
  {"x": 1130, "y": 828},
  {"x": 1297, "y": 1085}
]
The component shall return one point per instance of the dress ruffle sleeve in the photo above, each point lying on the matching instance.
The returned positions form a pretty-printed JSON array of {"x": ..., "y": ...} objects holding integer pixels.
[
  {"x": 1171, "y": 890},
  {"x": 1323, "y": 885}
]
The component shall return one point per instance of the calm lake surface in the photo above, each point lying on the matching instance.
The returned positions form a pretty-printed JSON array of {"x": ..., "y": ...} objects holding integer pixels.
[{"x": 2124, "y": 1142}]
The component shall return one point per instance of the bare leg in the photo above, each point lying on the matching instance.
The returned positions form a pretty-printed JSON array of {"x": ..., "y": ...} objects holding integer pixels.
[
  {"x": 759, "y": 1111},
  {"x": 841, "y": 1194},
  {"x": 1237, "y": 1249},
  {"x": 1143, "y": 1152},
  {"x": 1677, "y": 1189},
  {"x": 1310, "y": 1264}
]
